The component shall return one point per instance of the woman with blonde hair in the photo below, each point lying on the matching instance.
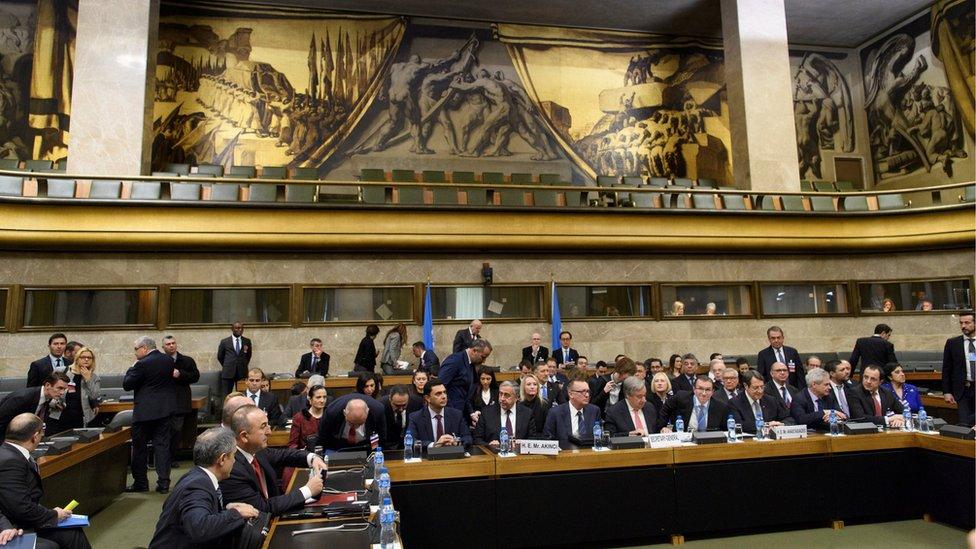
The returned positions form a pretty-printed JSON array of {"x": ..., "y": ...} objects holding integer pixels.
[
  {"x": 392, "y": 345},
  {"x": 529, "y": 395},
  {"x": 79, "y": 405},
  {"x": 660, "y": 390}
]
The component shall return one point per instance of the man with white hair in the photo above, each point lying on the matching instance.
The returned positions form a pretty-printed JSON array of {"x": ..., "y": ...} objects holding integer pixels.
[
  {"x": 633, "y": 415},
  {"x": 350, "y": 422},
  {"x": 151, "y": 379},
  {"x": 812, "y": 406},
  {"x": 510, "y": 413}
]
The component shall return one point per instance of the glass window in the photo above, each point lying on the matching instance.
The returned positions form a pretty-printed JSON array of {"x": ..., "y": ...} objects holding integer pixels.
[
  {"x": 701, "y": 300},
  {"x": 224, "y": 306},
  {"x": 89, "y": 307},
  {"x": 358, "y": 304},
  {"x": 804, "y": 299},
  {"x": 919, "y": 295},
  {"x": 3, "y": 307},
  {"x": 470, "y": 302},
  {"x": 604, "y": 301}
]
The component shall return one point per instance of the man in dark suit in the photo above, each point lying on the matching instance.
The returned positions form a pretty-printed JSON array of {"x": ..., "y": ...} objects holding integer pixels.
[
  {"x": 536, "y": 351},
  {"x": 699, "y": 410},
  {"x": 427, "y": 361},
  {"x": 874, "y": 403},
  {"x": 437, "y": 424},
  {"x": 266, "y": 400},
  {"x": 313, "y": 362},
  {"x": 633, "y": 415},
  {"x": 185, "y": 373},
  {"x": 549, "y": 386},
  {"x": 22, "y": 492},
  {"x": 572, "y": 423},
  {"x": 8, "y": 533},
  {"x": 253, "y": 479},
  {"x": 959, "y": 369},
  {"x": 234, "y": 356},
  {"x": 350, "y": 421},
  {"x": 811, "y": 406},
  {"x": 728, "y": 388},
  {"x": 607, "y": 390},
  {"x": 33, "y": 400},
  {"x": 839, "y": 372},
  {"x": 466, "y": 336},
  {"x": 397, "y": 407},
  {"x": 151, "y": 379},
  {"x": 779, "y": 386},
  {"x": 565, "y": 354},
  {"x": 875, "y": 349},
  {"x": 457, "y": 374},
  {"x": 689, "y": 372},
  {"x": 510, "y": 413},
  {"x": 38, "y": 370},
  {"x": 753, "y": 403},
  {"x": 777, "y": 352},
  {"x": 194, "y": 516}
]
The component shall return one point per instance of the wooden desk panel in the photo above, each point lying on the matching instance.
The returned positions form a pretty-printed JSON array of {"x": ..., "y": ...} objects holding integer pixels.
[
  {"x": 345, "y": 382},
  {"x": 51, "y": 465},
  {"x": 890, "y": 440},
  {"x": 750, "y": 449},
  {"x": 279, "y": 438},
  {"x": 115, "y": 406},
  {"x": 946, "y": 445},
  {"x": 585, "y": 459},
  {"x": 936, "y": 401},
  {"x": 475, "y": 466}
]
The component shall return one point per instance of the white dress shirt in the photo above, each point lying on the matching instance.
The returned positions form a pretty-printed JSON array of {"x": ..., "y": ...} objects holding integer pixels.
[{"x": 573, "y": 420}]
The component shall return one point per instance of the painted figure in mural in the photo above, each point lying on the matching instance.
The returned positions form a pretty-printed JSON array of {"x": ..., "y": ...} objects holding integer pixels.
[
  {"x": 525, "y": 122},
  {"x": 492, "y": 134},
  {"x": 822, "y": 108}
]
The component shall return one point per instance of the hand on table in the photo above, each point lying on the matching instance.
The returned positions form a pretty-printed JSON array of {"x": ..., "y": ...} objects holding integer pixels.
[{"x": 246, "y": 511}]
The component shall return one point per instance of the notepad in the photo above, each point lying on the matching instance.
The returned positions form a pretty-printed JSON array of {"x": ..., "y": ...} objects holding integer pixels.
[
  {"x": 26, "y": 541},
  {"x": 74, "y": 521},
  {"x": 328, "y": 499}
]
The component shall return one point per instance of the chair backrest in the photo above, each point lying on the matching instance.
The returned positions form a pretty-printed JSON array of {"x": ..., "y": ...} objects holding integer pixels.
[
  {"x": 9, "y": 164},
  {"x": 822, "y": 204},
  {"x": 607, "y": 180},
  {"x": 632, "y": 180},
  {"x": 146, "y": 190},
  {"x": 891, "y": 201},
  {"x": 273, "y": 172},
  {"x": 477, "y": 197},
  {"x": 305, "y": 173},
  {"x": 245, "y": 172},
  {"x": 768, "y": 202},
  {"x": 462, "y": 177},
  {"x": 404, "y": 176},
  {"x": 433, "y": 176},
  {"x": 301, "y": 193},
  {"x": 512, "y": 197},
  {"x": 703, "y": 201},
  {"x": 61, "y": 188},
  {"x": 262, "y": 192},
  {"x": 492, "y": 178},
  {"x": 38, "y": 165},
  {"x": 824, "y": 186},
  {"x": 707, "y": 183},
  {"x": 521, "y": 178},
  {"x": 844, "y": 186},
  {"x": 806, "y": 186},
  {"x": 792, "y": 203},
  {"x": 623, "y": 197},
  {"x": 372, "y": 174},
  {"x": 105, "y": 189},
  {"x": 166, "y": 174},
  {"x": 224, "y": 193},
  {"x": 550, "y": 178},
  {"x": 681, "y": 182},
  {"x": 184, "y": 191},
  {"x": 544, "y": 198},
  {"x": 121, "y": 419},
  {"x": 210, "y": 169},
  {"x": 445, "y": 196},
  {"x": 11, "y": 185},
  {"x": 410, "y": 196},
  {"x": 855, "y": 203},
  {"x": 643, "y": 200},
  {"x": 969, "y": 195},
  {"x": 373, "y": 194},
  {"x": 658, "y": 181},
  {"x": 734, "y": 201},
  {"x": 178, "y": 169}
]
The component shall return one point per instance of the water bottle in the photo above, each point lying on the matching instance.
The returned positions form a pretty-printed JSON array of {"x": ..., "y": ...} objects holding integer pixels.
[
  {"x": 377, "y": 463},
  {"x": 679, "y": 425},
  {"x": 730, "y": 425},
  {"x": 597, "y": 435},
  {"x": 923, "y": 420},
  {"x": 760, "y": 427},
  {"x": 834, "y": 426},
  {"x": 387, "y": 528},
  {"x": 503, "y": 446},
  {"x": 384, "y": 484},
  {"x": 408, "y": 446},
  {"x": 906, "y": 412}
]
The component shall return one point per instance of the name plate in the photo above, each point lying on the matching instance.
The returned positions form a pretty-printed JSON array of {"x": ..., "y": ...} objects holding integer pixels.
[
  {"x": 665, "y": 440},
  {"x": 785, "y": 432},
  {"x": 540, "y": 447}
]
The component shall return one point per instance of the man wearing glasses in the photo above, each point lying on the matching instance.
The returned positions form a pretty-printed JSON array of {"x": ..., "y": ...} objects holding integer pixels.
[
  {"x": 698, "y": 410},
  {"x": 572, "y": 423},
  {"x": 536, "y": 351},
  {"x": 151, "y": 379}
]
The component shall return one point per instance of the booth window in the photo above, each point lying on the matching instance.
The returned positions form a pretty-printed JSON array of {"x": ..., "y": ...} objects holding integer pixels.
[
  {"x": 353, "y": 304},
  {"x": 227, "y": 305},
  {"x": 89, "y": 307},
  {"x": 808, "y": 299},
  {"x": 604, "y": 301},
  {"x": 486, "y": 302},
  {"x": 718, "y": 300},
  {"x": 951, "y": 294}
]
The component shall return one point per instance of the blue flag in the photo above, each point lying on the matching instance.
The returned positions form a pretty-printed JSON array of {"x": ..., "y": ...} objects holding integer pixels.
[
  {"x": 428, "y": 322},
  {"x": 557, "y": 323}
]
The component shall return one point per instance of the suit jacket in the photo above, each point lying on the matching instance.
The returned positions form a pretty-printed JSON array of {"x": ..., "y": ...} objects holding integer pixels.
[
  {"x": 242, "y": 484},
  {"x": 848, "y": 396},
  {"x": 18, "y": 402},
  {"x": 189, "y": 374},
  {"x": 554, "y": 395},
  {"x": 954, "y": 366},
  {"x": 621, "y": 422},
  {"x": 772, "y": 391},
  {"x": 457, "y": 375},
  {"x": 332, "y": 435},
  {"x": 683, "y": 403},
  {"x": 463, "y": 339},
  {"x": 365, "y": 360},
  {"x": 559, "y": 424},
  {"x": 419, "y": 425},
  {"x": 805, "y": 413},
  {"x": 721, "y": 394},
  {"x": 872, "y": 350},
  {"x": 428, "y": 362},
  {"x": 540, "y": 411},
  {"x": 862, "y": 407},
  {"x": 22, "y": 491},
  {"x": 193, "y": 516},
  {"x": 38, "y": 370},
  {"x": 395, "y": 431},
  {"x": 305, "y": 365},
  {"x": 269, "y": 403},
  {"x": 541, "y": 354},
  {"x": 477, "y": 403},
  {"x": 682, "y": 384},
  {"x": 767, "y": 357},
  {"x": 772, "y": 410},
  {"x": 233, "y": 365},
  {"x": 560, "y": 359},
  {"x": 489, "y": 425},
  {"x": 600, "y": 398},
  {"x": 151, "y": 378}
]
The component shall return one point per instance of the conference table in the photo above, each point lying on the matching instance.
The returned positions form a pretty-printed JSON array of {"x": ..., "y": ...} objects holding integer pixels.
[
  {"x": 93, "y": 473},
  {"x": 188, "y": 434}
]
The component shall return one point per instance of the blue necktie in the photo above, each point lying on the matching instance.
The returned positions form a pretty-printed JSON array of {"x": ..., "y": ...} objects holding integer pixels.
[
  {"x": 545, "y": 392},
  {"x": 702, "y": 419}
]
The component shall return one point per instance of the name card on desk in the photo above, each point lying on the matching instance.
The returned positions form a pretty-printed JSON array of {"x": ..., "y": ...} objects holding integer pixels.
[
  {"x": 541, "y": 447},
  {"x": 785, "y": 432},
  {"x": 665, "y": 440}
]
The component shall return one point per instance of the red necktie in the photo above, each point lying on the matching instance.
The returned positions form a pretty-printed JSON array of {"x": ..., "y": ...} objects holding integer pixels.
[
  {"x": 351, "y": 437},
  {"x": 877, "y": 404},
  {"x": 440, "y": 426},
  {"x": 638, "y": 424},
  {"x": 260, "y": 474}
]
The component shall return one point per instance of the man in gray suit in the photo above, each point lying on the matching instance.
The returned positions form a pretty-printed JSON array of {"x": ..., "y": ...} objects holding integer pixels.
[{"x": 234, "y": 356}]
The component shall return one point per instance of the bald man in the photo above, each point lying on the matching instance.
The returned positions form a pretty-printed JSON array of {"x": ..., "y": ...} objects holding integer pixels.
[{"x": 350, "y": 422}]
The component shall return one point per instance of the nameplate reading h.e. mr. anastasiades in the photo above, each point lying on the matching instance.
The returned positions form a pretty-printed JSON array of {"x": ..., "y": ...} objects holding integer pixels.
[
  {"x": 541, "y": 447},
  {"x": 784, "y": 432}
]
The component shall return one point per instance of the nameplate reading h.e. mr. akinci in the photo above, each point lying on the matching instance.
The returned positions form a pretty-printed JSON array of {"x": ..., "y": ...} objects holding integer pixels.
[{"x": 541, "y": 447}]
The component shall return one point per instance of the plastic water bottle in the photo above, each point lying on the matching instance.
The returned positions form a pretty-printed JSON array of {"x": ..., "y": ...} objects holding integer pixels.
[
  {"x": 387, "y": 527},
  {"x": 730, "y": 425},
  {"x": 907, "y": 414},
  {"x": 834, "y": 426},
  {"x": 679, "y": 425},
  {"x": 408, "y": 446},
  {"x": 377, "y": 463},
  {"x": 384, "y": 484},
  {"x": 503, "y": 446},
  {"x": 760, "y": 427},
  {"x": 597, "y": 435},
  {"x": 923, "y": 420}
]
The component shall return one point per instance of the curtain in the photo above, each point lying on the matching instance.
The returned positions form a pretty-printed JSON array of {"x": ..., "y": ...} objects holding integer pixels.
[
  {"x": 50, "y": 89},
  {"x": 469, "y": 303},
  {"x": 956, "y": 57}
]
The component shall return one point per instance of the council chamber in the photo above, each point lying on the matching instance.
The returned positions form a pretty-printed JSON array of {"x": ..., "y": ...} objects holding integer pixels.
[{"x": 285, "y": 274}]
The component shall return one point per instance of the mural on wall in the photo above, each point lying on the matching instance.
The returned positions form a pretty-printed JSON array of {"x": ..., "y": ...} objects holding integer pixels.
[
  {"x": 823, "y": 111},
  {"x": 17, "y": 24},
  {"x": 914, "y": 120},
  {"x": 238, "y": 91}
]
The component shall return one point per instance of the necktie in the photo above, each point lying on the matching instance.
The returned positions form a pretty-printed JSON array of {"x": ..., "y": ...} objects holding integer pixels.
[
  {"x": 841, "y": 399},
  {"x": 237, "y": 345},
  {"x": 779, "y": 356},
  {"x": 57, "y": 364},
  {"x": 42, "y": 410},
  {"x": 254, "y": 397},
  {"x": 971, "y": 371},
  {"x": 877, "y": 403},
  {"x": 440, "y": 426},
  {"x": 508, "y": 422},
  {"x": 786, "y": 396},
  {"x": 312, "y": 367},
  {"x": 33, "y": 465},
  {"x": 351, "y": 437},
  {"x": 756, "y": 410},
  {"x": 579, "y": 422},
  {"x": 399, "y": 418},
  {"x": 220, "y": 499},
  {"x": 545, "y": 392},
  {"x": 638, "y": 423},
  {"x": 260, "y": 476},
  {"x": 702, "y": 419}
]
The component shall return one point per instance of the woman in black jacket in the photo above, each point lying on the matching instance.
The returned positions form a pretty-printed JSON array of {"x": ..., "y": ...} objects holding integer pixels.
[{"x": 365, "y": 360}]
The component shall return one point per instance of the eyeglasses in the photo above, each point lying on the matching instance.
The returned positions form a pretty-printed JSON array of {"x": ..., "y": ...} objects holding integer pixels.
[{"x": 583, "y": 391}]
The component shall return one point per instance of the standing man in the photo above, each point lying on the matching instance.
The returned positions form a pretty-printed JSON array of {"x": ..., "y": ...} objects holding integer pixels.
[
  {"x": 466, "y": 336},
  {"x": 536, "y": 351},
  {"x": 427, "y": 361},
  {"x": 565, "y": 354},
  {"x": 777, "y": 352},
  {"x": 313, "y": 362},
  {"x": 55, "y": 361},
  {"x": 185, "y": 373},
  {"x": 959, "y": 368},
  {"x": 875, "y": 349},
  {"x": 511, "y": 414},
  {"x": 151, "y": 379},
  {"x": 606, "y": 391},
  {"x": 34, "y": 400},
  {"x": 572, "y": 423},
  {"x": 70, "y": 349},
  {"x": 234, "y": 356},
  {"x": 457, "y": 374}
]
